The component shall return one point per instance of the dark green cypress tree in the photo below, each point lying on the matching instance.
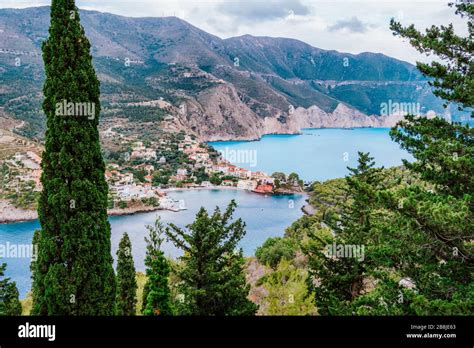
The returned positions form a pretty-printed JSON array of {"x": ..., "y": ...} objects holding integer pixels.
[
  {"x": 156, "y": 293},
  {"x": 73, "y": 273},
  {"x": 126, "y": 279},
  {"x": 213, "y": 278},
  {"x": 9, "y": 302}
]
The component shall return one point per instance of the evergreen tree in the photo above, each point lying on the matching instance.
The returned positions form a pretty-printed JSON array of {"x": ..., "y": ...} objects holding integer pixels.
[
  {"x": 287, "y": 291},
  {"x": 73, "y": 273},
  {"x": 417, "y": 224},
  {"x": 212, "y": 278},
  {"x": 9, "y": 302},
  {"x": 341, "y": 276},
  {"x": 454, "y": 81},
  {"x": 428, "y": 236},
  {"x": 276, "y": 249},
  {"x": 156, "y": 292},
  {"x": 126, "y": 279},
  {"x": 444, "y": 152}
]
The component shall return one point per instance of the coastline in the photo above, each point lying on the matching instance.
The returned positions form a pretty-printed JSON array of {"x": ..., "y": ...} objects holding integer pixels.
[
  {"x": 14, "y": 215},
  {"x": 10, "y": 214},
  {"x": 177, "y": 189},
  {"x": 299, "y": 132},
  {"x": 308, "y": 209}
]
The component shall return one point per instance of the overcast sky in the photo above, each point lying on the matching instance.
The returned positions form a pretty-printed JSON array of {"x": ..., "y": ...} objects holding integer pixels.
[{"x": 344, "y": 25}]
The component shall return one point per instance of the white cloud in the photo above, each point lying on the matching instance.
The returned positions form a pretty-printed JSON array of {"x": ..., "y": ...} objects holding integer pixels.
[
  {"x": 307, "y": 20},
  {"x": 351, "y": 25},
  {"x": 258, "y": 11}
]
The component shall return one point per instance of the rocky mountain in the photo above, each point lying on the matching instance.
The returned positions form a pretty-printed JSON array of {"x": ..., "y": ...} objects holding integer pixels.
[{"x": 166, "y": 70}]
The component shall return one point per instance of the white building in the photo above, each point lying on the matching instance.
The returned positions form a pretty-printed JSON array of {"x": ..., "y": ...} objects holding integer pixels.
[
  {"x": 128, "y": 192},
  {"x": 146, "y": 154},
  {"x": 247, "y": 184},
  {"x": 149, "y": 154},
  {"x": 182, "y": 171},
  {"x": 126, "y": 179}
]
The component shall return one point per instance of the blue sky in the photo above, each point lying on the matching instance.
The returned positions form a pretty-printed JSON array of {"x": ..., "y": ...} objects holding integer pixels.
[{"x": 344, "y": 25}]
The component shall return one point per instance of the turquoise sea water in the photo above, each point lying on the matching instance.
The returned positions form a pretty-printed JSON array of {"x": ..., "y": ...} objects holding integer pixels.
[
  {"x": 264, "y": 216},
  {"x": 316, "y": 154}
]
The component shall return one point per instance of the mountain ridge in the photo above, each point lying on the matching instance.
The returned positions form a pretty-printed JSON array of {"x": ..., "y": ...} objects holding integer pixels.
[{"x": 236, "y": 88}]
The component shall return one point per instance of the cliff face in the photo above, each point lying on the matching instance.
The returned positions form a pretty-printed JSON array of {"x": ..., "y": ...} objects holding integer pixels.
[
  {"x": 342, "y": 117},
  {"x": 238, "y": 88},
  {"x": 233, "y": 120}
]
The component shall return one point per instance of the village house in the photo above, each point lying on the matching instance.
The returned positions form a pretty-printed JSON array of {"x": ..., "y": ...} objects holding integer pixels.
[
  {"x": 194, "y": 149},
  {"x": 263, "y": 189},
  {"x": 126, "y": 179},
  {"x": 199, "y": 157},
  {"x": 146, "y": 167},
  {"x": 240, "y": 173},
  {"x": 148, "y": 178},
  {"x": 170, "y": 204},
  {"x": 166, "y": 203},
  {"x": 176, "y": 178},
  {"x": 268, "y": 180},
  {"x": 113, "y": 165},
  {"x": 182, "y": 172},
  {"x": 231, "y": 170},
  {"x": 221, "y": 167},
  {"x": 129, "y": 192},
  {"x": 147, "y": 154},
  {"x": 259, "y": 175},
  {"x": 247, "y": 184},
  {"x": 190, "y": 185}
]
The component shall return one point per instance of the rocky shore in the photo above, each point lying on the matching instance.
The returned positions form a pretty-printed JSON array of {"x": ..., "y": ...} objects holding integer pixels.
[{"x": 10, "y": 214}]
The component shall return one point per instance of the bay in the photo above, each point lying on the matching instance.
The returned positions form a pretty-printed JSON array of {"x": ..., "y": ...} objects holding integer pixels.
[
  {"x": 264, "y": 217},
  {"x": 316, "y": 154}
]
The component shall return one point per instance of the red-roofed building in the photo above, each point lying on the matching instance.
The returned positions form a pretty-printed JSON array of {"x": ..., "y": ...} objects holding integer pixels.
[
  {"x": 263, "y": 189},
  {"x": 148, "y": 178}
]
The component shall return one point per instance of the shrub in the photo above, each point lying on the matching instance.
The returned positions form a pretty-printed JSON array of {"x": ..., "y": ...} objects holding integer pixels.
[{"x": 276, "y": 249}]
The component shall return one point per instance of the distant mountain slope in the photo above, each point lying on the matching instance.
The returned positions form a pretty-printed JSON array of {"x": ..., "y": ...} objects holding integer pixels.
[
  {"x": 238, "y": 88},
  {"x": 289, "y": 58}
]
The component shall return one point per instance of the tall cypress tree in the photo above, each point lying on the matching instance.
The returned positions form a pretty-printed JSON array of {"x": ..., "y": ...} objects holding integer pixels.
[
  {"x": 126, "y": 279},
  {"x": 73, "y": 273}
]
